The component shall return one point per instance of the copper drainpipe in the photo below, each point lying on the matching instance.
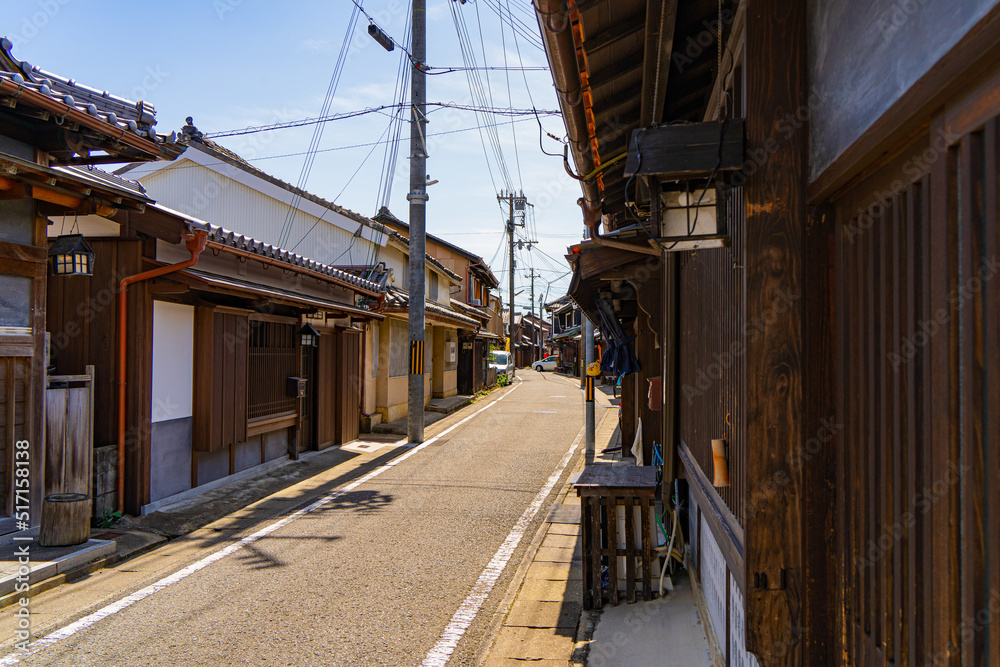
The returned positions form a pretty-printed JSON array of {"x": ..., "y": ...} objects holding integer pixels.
[
  {"x": 195, "y": 245},
  {"x": 592, "y": 219}
]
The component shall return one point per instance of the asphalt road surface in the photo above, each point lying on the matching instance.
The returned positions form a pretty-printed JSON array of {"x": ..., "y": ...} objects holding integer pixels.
[{"x": 373, "y": 576}]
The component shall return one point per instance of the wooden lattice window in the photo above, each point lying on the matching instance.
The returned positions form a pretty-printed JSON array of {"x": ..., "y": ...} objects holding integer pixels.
[{"x": 272, "y": 360}]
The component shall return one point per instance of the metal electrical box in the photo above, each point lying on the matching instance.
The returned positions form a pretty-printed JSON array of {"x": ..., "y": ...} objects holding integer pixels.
[{"x": 295, "y": 387}]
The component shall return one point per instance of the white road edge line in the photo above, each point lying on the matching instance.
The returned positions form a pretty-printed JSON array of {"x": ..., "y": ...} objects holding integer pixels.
[
  {"x": 440, "y": 654},
  {"x": 109, "y": 610}
]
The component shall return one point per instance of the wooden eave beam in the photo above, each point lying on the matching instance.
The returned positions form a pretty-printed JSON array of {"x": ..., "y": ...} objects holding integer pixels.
[
  {"x": 734, "y": 49},
  {"x": 617, "y": 32},
  {"x": 659, "y": 46},
  {"x": 625, "y": 101},
  {"x": 601, "y": 78}
]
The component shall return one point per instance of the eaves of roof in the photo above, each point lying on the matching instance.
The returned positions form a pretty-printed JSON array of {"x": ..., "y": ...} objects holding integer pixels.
[
  {"x": 398, "y": 300},
  {"x": 115, "y": 117},
  {"x": 402, "y": 240},
  {"x": 249, "y": 247}
]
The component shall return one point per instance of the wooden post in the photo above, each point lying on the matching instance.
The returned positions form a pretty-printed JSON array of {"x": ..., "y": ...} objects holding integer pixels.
[{"x": 776, "y": 85}]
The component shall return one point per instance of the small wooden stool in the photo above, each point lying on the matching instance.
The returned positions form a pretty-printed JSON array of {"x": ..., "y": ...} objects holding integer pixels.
[{"x": 602, "y": 489}]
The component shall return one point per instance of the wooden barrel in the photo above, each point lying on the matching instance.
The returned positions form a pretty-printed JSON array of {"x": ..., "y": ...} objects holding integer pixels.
[{"x": 65, "y": 519}]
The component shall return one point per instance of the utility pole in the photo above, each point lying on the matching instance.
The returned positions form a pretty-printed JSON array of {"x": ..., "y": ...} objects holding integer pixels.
[
  {"x": 534, "y": 324},
  {"x": 588, "y": 335},
  {"x": 518, "y": 202},
  {"x": 418, "y": 217}
]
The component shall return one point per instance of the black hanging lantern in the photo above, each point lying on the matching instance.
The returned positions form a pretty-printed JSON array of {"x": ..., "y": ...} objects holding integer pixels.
[
  {"x": 71, "y": 255},
  {"x": 308, "y": 337}
]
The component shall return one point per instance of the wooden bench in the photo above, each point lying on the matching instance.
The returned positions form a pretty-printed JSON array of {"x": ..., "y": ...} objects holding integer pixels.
[{"x": 602, "y": 490}]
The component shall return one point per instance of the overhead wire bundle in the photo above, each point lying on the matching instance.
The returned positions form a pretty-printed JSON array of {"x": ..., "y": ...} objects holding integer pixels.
[{"x": 310, "y": 158}]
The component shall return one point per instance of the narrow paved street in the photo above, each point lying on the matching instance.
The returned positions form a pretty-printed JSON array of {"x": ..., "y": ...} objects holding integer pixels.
[{"x": 371, "y": 577}]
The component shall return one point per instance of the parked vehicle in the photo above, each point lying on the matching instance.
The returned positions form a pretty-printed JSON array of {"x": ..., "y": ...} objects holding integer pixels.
[
  {"x": 502, "y": 361},
  {"x": 548, "y": 363}
]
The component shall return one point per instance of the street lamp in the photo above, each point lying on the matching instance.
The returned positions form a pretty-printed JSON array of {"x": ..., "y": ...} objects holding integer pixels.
[
  {"x": 71, "y": 255},
  {"x": 308, "y": 337}
]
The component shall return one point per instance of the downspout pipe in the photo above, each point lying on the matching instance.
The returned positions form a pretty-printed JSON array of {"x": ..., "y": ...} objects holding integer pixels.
[
  {"x": 592, "y": 219},
  {"x": 196, "y": 245}
]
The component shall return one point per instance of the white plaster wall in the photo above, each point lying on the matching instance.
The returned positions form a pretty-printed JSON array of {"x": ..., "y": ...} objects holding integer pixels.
[{"x": 173, "y": 360}]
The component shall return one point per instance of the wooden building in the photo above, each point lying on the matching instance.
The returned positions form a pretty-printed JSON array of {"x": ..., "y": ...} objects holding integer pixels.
[
  {"x": 49, "y": 125},
  {"x": 832, "y": 316},
  {"x": 471, "y": 299},
  {"x": 566, "y": 333}
]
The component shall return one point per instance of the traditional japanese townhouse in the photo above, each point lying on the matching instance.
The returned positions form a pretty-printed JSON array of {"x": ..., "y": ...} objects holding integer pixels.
[
  {"x": 443, "y": 326},
  {"x": 48, "y": 122},
  {"x": 797, "y": 202},
  {"x": 529, "y": 331},
  {"x": 471, "y": 299},
  {"x": 566, "y": 336}
]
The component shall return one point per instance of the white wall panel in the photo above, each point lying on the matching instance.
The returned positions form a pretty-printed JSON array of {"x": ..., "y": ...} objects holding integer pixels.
[
  {"x": 714, "y": 581},
  {"x": 220, "y": 200},
  {"x": 173, "y": 360}
]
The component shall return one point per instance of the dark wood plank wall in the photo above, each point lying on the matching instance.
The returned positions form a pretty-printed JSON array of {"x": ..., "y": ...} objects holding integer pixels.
[
  {"x": 327, "y": 391},
  {"x": 15, "y": 374},
  {"x": 82, "y": 324},
  {"x": 647, "y": 349},
  {"x": 349, "y": 384},
  {"x": 139, "y": 378},
  {"x": 712, "y": 360},
  {"x": 917, "y": 470},
  {"x": 220, "y": 379}
]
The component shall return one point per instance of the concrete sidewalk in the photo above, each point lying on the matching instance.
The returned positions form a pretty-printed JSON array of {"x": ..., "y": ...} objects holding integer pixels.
[{"x": 543, "y": 621}]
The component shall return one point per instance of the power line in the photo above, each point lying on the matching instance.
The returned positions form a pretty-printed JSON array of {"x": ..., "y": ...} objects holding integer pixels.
[
  {"x": 331, "y": 91},
  {"x": 483, "y": 109}
]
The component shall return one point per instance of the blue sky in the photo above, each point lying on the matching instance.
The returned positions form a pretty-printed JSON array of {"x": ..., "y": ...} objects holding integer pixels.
[{"x": 236, "y": 63}]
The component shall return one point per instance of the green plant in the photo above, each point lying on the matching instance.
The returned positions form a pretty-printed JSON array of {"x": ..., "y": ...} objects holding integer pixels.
[
  {"x": 503, "y": 380},
  {"x": 109, "y": 518}
]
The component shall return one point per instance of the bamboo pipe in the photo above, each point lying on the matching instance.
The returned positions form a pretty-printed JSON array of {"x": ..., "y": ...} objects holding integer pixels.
[
  {"x": 720, "y": 464},
  {"x": 195, "y": 245}
]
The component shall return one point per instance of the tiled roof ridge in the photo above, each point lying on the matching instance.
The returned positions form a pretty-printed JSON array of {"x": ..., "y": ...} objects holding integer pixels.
[
  {"x": 248, "y": 244},
  {"x": 138, "y": 118}
]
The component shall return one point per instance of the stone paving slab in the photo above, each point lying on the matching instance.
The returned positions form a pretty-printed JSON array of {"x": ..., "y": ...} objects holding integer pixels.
[
  {"x": 557, "y": 571},
  {"x": 558, "y": 555},
  {"x": 562, "y": 541},
  {"x": 563, "y": 615},
  {"x": 550, "y": 590},
  {"x": 46, "y": 562},
  {"x": 531, "y": 646}
]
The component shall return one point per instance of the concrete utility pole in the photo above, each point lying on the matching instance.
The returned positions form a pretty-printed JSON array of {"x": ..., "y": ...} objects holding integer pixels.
[
  {"x": 588, "y": 335},
  {"x": 534, "y": 325},
  {"x": 418, "y": 211}
]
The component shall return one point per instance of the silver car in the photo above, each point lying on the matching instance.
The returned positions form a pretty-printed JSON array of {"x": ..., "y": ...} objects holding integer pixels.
[
  {"x": 548, "y": 363},
  {"x": 502, "y": 361}
]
